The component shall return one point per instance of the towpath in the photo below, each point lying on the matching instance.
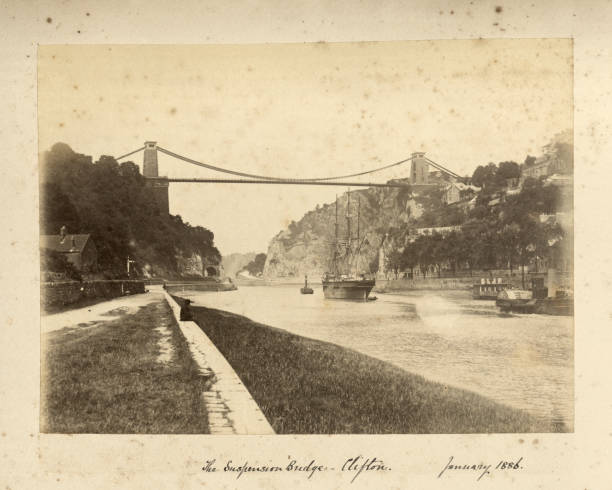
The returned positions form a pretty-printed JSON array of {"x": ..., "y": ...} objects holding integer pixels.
[
  {"x": 101, "y": 312},
  {"x": 229, "y": 405}
]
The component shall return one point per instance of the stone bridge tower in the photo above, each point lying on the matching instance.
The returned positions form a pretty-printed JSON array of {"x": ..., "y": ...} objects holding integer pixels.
[
  {"x": 419, "y": 171},
  {"x": 151, "y": 172}
]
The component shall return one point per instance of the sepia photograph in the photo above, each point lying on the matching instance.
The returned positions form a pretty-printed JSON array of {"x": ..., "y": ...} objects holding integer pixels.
[{"x": 323, "y": 238}]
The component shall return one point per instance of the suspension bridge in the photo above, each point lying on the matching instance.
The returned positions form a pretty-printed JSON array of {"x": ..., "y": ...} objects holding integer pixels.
[{"x": 419, "y": 173}]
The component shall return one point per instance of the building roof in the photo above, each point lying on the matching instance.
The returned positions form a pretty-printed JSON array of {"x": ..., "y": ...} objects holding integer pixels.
[
  {"x": 69, "y": 243},
  {"x": 436, "y": 229},
  {"x": 560, "y": 179},
  {"x": 464, "y": 187}
]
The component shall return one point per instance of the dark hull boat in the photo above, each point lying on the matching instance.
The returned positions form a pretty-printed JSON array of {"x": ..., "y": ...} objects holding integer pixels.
[
  {"x": 306, "y": 289},
  {"x": 520, "y": 301},
  {"x": 357, "y": 289}
]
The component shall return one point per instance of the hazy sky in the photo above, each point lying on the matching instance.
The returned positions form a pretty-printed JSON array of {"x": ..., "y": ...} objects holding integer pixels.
[{"x": 302, "y": 110}]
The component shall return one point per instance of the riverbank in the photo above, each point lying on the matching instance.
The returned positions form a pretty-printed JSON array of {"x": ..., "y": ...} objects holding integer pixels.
[
  {"x": 133, "y": 374},
  {"x": 313, "y": 387},
  {"x": 214, "y": 285}
]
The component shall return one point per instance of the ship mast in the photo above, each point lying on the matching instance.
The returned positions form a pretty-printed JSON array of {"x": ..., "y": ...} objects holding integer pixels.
[
  {"x": 348, "y": 224},
  {"x": 336, "y": 241},
  {"x": 335, "y": 256},
  {"x": 358, "y": 210}
]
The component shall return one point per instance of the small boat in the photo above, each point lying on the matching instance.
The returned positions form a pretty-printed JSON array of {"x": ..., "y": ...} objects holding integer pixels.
[
  {"x": 516, "y": 300},
  {"x": 306, "y": 289},
  {"x": 524, "y": 301}
]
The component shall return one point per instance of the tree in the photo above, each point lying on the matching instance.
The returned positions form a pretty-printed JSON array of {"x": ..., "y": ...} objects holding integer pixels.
[
  {"x": 423, "y": 244},
  {"x": 56, "y": 210},
  {"x": 463, "y": 250},
  {"x": 529, "y": 161},
  {"x": 52, "y": 261},
  {"x": 393, "y": 261},
  {"x": 508, "y": 243},
  {"x": 410, "y": 257},
  {"x": 528, "y": 236},
  {"x": 484, "y": 176},
  {"x": 439, "y": 251},
  {"x": 508, "y": 170},
  {"x": 450, "y": 250}
]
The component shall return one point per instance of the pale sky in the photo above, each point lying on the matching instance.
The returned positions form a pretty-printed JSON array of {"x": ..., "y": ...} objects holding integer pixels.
[{"x": 302, "y": 110}]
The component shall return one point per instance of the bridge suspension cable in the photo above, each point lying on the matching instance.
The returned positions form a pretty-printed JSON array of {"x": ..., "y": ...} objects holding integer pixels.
[
  {"x": 265, "y": 177},
  {"x": 130, "y": 153},
  {"x": 443, "y": 169},
  {"x": 288, "y": 180}
]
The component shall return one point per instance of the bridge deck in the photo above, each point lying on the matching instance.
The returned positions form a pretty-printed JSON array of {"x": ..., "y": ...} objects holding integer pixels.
[{"x": 302, "y": 182}]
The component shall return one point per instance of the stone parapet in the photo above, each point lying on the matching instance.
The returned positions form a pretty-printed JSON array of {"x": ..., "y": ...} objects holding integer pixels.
[{"x": 231, "y": 408}]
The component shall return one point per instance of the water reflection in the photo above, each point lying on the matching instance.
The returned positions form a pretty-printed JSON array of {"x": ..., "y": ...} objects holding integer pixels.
[{"x": 525, "y": 361}]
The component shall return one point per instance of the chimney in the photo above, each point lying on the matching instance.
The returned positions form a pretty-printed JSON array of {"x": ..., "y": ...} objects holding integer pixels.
[{"x": 73, "y": 246}]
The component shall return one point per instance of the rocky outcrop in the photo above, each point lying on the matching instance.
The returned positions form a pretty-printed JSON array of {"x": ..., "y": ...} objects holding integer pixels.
[
  {"x": 305, "y": 246},
  {"x": 233, "y": 263},
  {"x": 190, "y": 265}
]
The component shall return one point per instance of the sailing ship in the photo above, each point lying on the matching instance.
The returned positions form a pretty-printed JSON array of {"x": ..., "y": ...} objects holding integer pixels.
[{"x": 343, "y": 280}]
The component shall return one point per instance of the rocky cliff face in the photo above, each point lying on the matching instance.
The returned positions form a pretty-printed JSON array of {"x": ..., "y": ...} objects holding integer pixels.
[
  {"x": 190, "y": 265},
  {"x": 305, "y": 247},
  {"x": 187, "y": 266}
]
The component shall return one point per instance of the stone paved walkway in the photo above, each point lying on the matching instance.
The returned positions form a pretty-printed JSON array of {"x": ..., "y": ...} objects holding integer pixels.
[{"x": 231, "y": 408}]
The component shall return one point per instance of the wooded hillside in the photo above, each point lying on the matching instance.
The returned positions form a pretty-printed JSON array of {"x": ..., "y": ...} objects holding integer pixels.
[{"x": 110, "y": 201}]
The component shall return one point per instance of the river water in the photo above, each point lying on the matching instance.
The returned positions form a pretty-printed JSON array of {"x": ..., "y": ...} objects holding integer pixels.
[{"x": 524, "y": 361}]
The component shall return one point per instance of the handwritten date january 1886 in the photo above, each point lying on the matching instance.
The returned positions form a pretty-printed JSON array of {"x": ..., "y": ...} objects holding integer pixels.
[{"x": 480, "y": 469}]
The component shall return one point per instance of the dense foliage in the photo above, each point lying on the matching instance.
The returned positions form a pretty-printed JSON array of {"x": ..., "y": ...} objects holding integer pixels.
[
  {"x": 256, "y": 266},
  {"x": 52, "y": 261},
  {"x": 508, "y": 234},
  {"x": 111, "y": 202}
]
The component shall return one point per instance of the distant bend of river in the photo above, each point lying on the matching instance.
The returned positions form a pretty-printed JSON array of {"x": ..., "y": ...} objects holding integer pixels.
[{"x": 524, "y": 361}]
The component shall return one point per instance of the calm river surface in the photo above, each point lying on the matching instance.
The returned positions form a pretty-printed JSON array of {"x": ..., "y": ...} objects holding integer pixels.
[{"x": 524, "y": 361}]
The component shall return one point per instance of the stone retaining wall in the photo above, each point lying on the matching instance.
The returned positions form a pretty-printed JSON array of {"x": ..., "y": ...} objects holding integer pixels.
[
  {"x": 66, "y": 293},
  {"x": 201, "y": 286},
  {"x": 230, "y": 407},
  {"x": 461, "y": 283}
]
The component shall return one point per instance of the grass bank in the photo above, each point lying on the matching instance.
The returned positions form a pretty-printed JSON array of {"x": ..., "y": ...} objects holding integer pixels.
[
  {"x": 312, "y": 387},
  {"x": 131, "y": 375}
]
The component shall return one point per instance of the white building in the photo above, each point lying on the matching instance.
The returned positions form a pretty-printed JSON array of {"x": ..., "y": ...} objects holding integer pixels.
[{"x": 458, "y": 191}]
